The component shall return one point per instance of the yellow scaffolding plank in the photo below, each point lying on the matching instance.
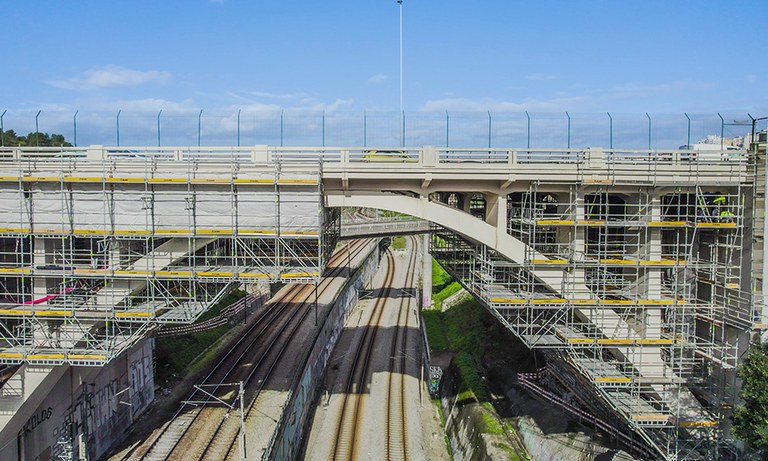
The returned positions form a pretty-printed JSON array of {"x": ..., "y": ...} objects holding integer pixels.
[
  {"x": 583, "y": 301},
  {"x": 133, "y": 314},
  {"x": 654, "y": 341},
  {"x": 174, "y": 273},
  {"x": 508, "y": 301},
  {"x": 608, "y": 341},
  {"x": 663, "y": 262},
  {"x": 613, "y": 379},
  {"x": 255, "y": 232},
  {"x": 554, "y": 222},
  {"x": 125, "y": 180},
  {"x": 210, "y": 181},
  {"x": 45, "y": 356},
  {"x": 549, "y": 261},
  {"x": 14, "y": 230},
  {"x": 11, "y": 355},
  {"x": 255, "y": 275},
  {"x": 87, "y": 357},
  {"x": 9, "y": 178},
  {"x": 83, "y": 179},
  {"x": 131, "y": 272},
  {"x": 716, "y": 224},
  {"x": 590, "y": 222},
  {"x": 14, "y": 270},
  {"x": 15, "y": 312},
  {"x": 580, "y": 340},
  {"x": 215, "y": 231},
  {"x": 297, "y": 181},
  {"x": 301, "y": 233},
  {"x": 617, "y": 261},
  {"x": 41, "y": 178},
  {"x": 132, "y": 232},
  {"x": 91, "y": 232},
  {"x": 667, "y": 223},
  {"x": 166, "y": 180},
  {"x": 254, "y": 181},
  {"x": 298, "y": 274},
  {"x": 91, "y": 271},
  {"x": 702, "y": 423},
  {"x": 655, "y": 302},
  {"x": 54, "y": 313},
  {"x": 215, "y": 274},
  {"x": 650, "y": 417}
]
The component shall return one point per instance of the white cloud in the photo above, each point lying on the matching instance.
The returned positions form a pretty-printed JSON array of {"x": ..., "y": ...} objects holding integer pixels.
[
  {"x": 540, "y": 77},
  {"x": 268, "y": 95},
  {"x": 111, "y": 76},
  {"x": 142, "y": 105},
  {"x": 482, "y": 105},
  {"x": 378, "y": 78}
]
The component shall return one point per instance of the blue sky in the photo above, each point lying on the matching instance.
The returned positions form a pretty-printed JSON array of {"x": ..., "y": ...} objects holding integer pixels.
[{"x": 587, "y": 56}]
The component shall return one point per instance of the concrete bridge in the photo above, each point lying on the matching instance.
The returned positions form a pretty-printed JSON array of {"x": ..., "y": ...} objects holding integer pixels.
[{"x": 633, "y": 267}]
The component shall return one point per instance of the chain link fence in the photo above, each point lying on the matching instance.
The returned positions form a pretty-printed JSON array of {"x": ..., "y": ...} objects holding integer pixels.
[{"x": 381, "y": 128}]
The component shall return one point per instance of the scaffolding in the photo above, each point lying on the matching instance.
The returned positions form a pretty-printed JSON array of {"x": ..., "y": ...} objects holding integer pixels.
[
  {"x": 639, "y": 290},
  {"x": 100, "y": 245}
]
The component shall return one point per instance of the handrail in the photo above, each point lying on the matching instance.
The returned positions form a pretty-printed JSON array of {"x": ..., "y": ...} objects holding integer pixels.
[{"x": 410, "y": 156}]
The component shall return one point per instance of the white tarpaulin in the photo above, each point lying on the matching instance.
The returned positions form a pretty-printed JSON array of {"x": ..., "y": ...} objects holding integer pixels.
[
  {"x": 299, "y": 211},
  {"x": 130, "y": 208},
  {"x": 14, "y": 211},
  {"x": 173, "y": 210},
  {"x": 256, "y": 210},
  {"x": 49, "y": 208},
  {"x": 89, "y": 207},
  {"x": 214, "y": 210}
]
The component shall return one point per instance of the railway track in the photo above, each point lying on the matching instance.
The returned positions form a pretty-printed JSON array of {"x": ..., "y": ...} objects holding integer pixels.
[
  {"x": 196, "y": 433},
  {"x": 345, "y": 446},
  {"x": 397, "y": 433}
]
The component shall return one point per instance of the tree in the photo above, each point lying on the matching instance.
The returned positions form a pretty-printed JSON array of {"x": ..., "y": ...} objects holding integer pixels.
[
  {"x": 750, "y": 420},
  {"x": 10, "y": 138}
]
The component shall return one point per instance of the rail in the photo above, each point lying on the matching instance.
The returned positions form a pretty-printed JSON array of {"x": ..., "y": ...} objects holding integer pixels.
[{"x": 408, "y": 157}]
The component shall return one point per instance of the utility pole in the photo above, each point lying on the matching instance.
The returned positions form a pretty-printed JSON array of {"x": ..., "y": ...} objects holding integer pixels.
[{"x": 402, "y": 110}]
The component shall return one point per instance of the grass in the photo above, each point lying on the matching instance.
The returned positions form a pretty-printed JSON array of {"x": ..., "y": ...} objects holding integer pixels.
[
  {"x": 444, "y": 294},
  {"x": 175, "y": 355},
  {"x": 440, "y": 278},
  {"x": 398, "y": 243}
]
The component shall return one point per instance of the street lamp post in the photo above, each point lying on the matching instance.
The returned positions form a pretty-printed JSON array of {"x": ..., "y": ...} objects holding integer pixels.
[{"x": 402, "y": 113}]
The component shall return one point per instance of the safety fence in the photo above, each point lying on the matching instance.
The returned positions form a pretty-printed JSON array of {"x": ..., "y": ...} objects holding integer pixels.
[{"x": 380, "y": 128}]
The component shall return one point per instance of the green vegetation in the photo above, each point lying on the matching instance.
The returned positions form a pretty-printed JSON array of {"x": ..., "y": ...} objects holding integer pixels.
[
  {"x": 10, "y": 138},
  {"x": 176, "y": 354},
  {"x": 440, "y": 278},
  {"x": 398, "y": 243},
  {"x": 750, "y": 420},
  {"x": 445, "y": 293}
]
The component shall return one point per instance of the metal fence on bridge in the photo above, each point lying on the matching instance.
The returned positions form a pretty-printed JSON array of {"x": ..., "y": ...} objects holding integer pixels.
[{"x": 195, "y": 127}]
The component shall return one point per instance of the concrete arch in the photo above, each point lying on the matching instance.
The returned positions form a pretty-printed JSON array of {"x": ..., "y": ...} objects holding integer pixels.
[{"x": 457, "y": 221}]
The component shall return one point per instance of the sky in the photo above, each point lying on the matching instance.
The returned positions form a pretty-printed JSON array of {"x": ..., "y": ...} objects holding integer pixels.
[{"x": 587, "y": 56}]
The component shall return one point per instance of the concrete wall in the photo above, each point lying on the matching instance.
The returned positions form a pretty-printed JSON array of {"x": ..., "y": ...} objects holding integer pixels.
[
  {"x": 290, "y": 431},
  {"x": 99, "y": 402}
]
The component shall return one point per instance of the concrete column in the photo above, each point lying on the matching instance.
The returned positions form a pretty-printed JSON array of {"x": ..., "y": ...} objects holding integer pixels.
[
  {"x": 42, "y": 256},
  {"x": 578, "y": 233},
  {"x": 465, "y": 199},
  {"x": 426, "y": 273},
  {"x": 653, "y": 274},
  {"x": 496, "y": 211}
]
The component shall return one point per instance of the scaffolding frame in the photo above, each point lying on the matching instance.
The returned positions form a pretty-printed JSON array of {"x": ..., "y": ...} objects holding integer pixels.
[
  {"x": 661, "y": 264},
  {"x": 100, "y": 246}
]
